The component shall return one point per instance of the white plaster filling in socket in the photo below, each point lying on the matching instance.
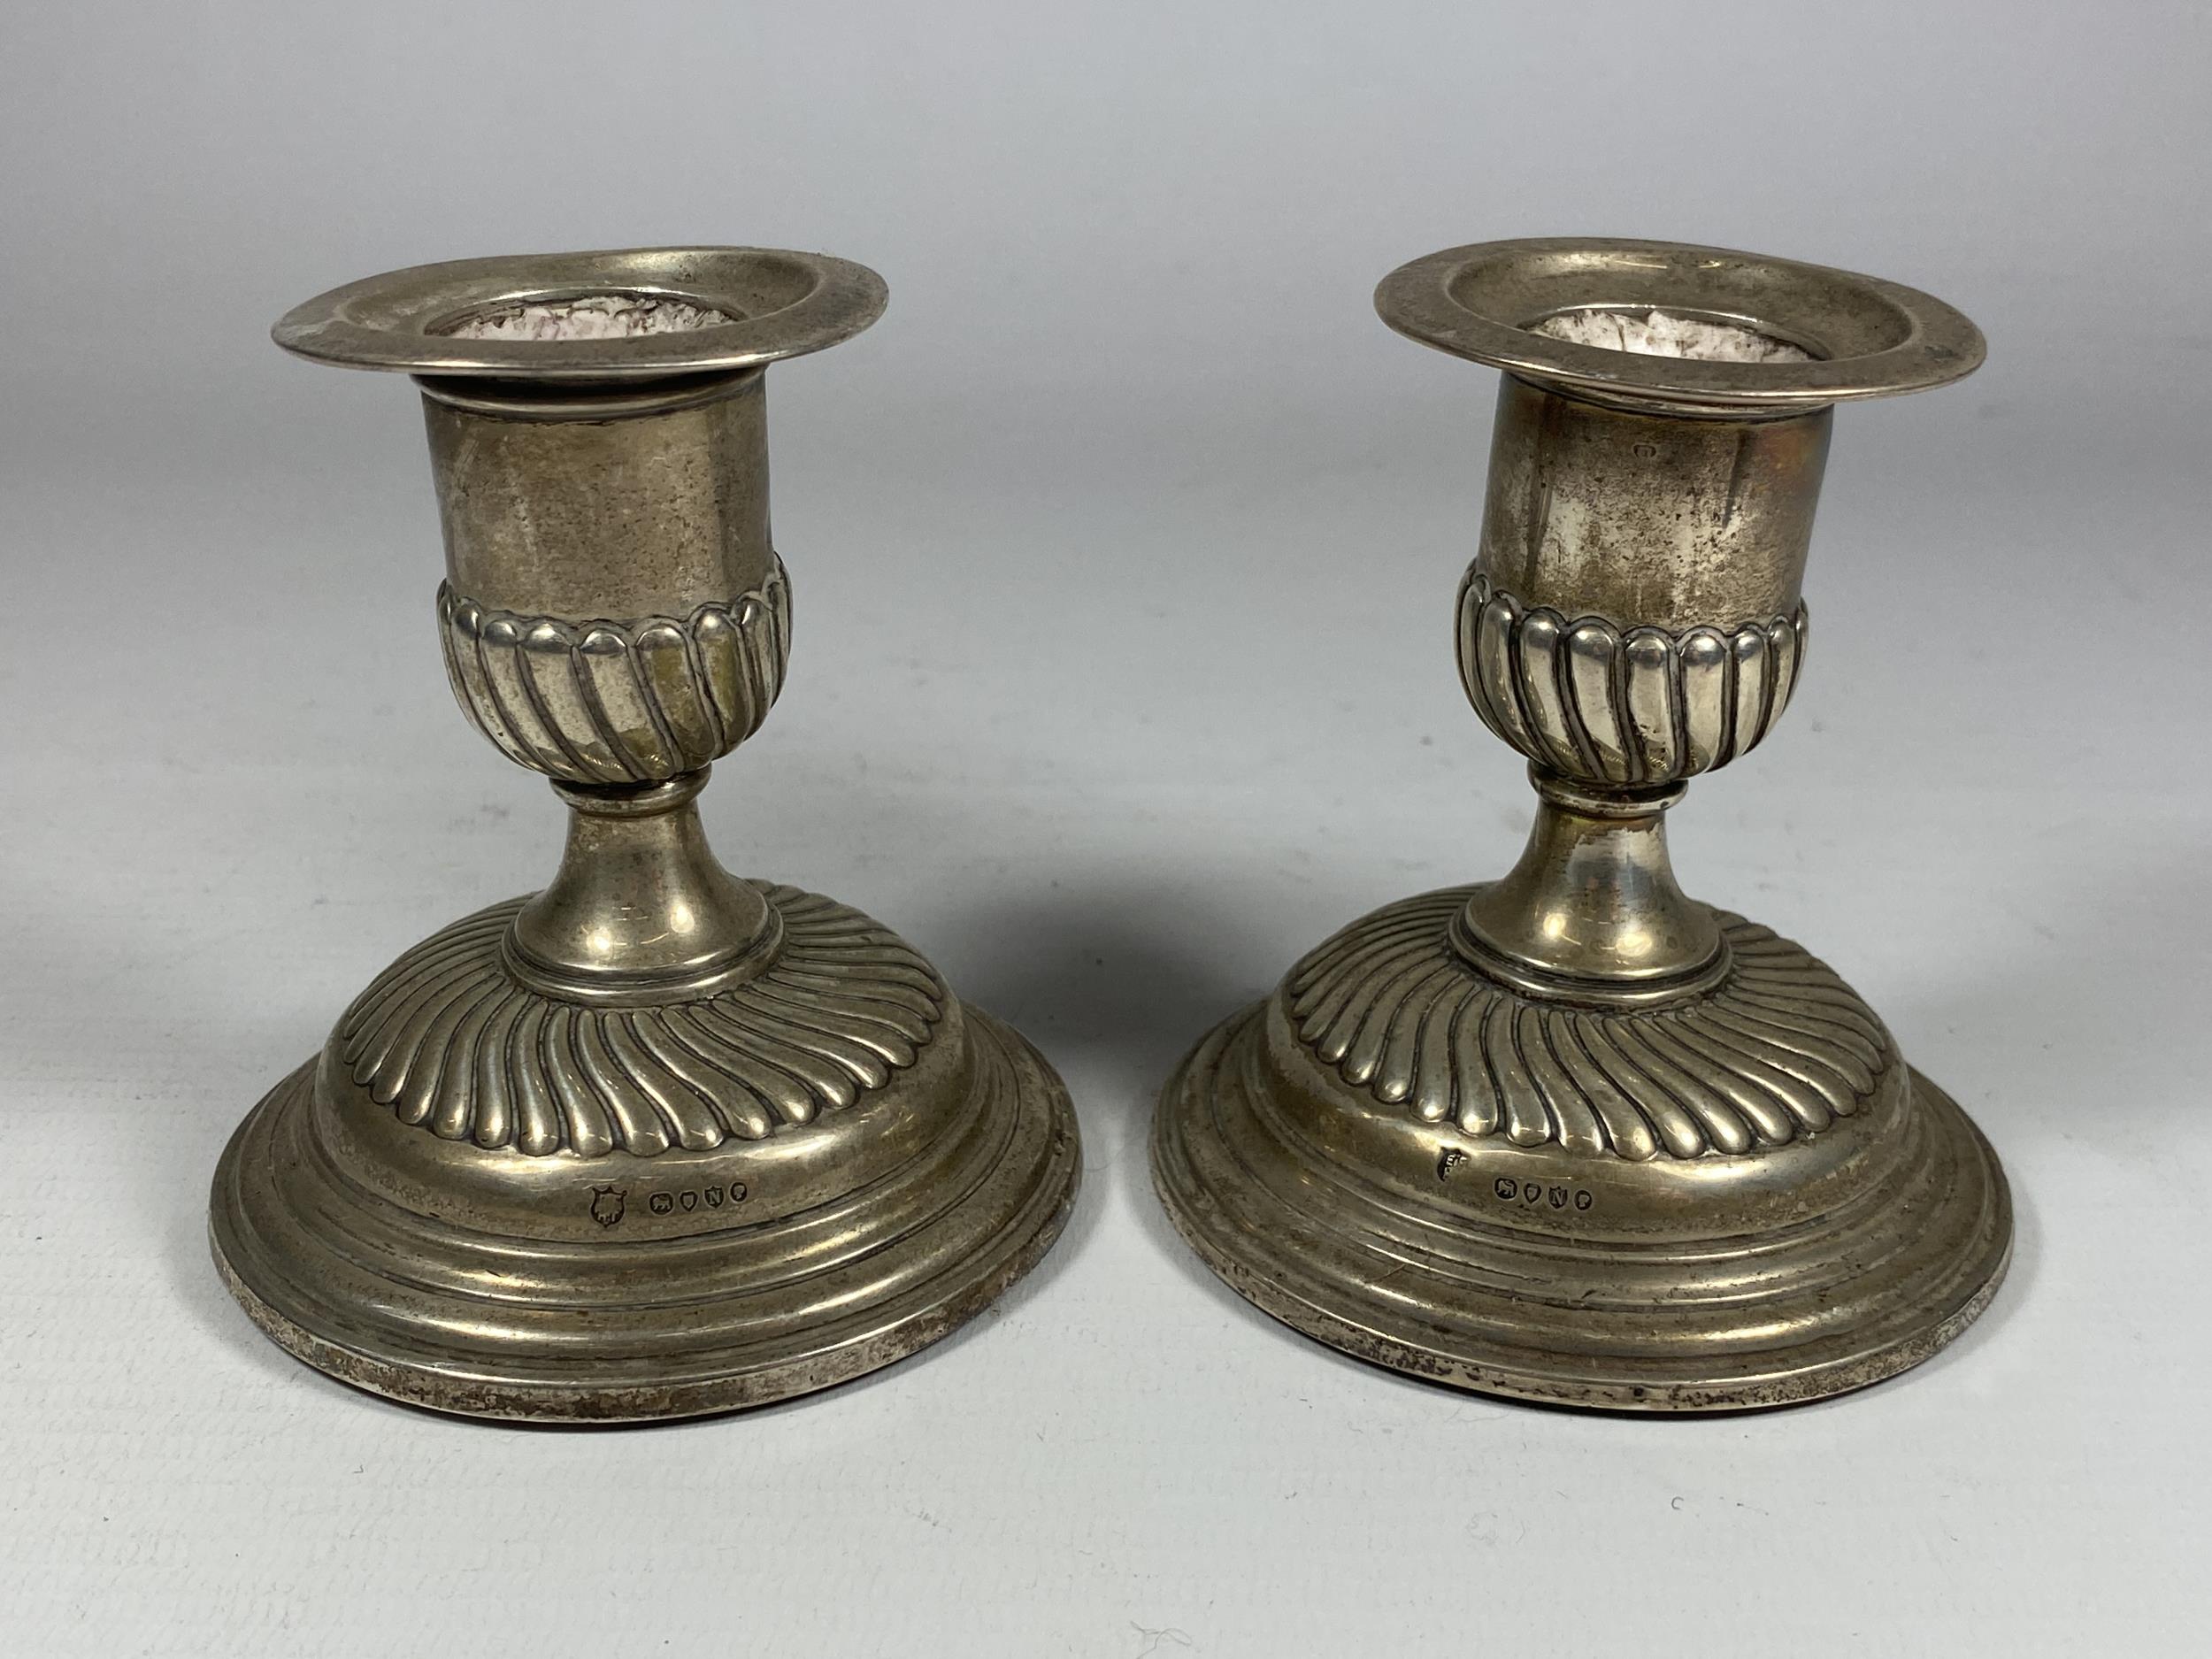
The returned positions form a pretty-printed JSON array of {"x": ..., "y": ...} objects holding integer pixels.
[
  {"x": 589, "y": 317},
  {"x": 1657, "y": 334}
]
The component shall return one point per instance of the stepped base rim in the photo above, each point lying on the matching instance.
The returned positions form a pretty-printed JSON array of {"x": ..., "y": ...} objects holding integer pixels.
[
  {"x": 1319, "y": 1273},
  {"x": 1012, "y": 1214}
]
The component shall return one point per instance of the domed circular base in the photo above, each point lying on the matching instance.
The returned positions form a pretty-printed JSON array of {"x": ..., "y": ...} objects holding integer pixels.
[
  {"x": 705, "y": 1273},
  {"x": 1595, "y": 1270}
]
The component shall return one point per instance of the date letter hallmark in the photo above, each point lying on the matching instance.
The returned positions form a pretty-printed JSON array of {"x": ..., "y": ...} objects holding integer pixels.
[
  {"x": 1510, "y": 1189},
  {"x": 712, "y": 1197},
  {"x": 1536, "y": 1194},
  {"x": 610, "y": 1203}
]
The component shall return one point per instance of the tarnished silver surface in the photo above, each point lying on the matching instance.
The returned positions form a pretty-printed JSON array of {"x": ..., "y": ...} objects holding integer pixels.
[
  {"x": 656, "y": 1140},
  {"x": 1571, "y": 1135}
]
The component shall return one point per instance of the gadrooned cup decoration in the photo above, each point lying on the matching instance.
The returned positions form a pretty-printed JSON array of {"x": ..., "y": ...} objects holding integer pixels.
[
  {"x": 1571, "y": 1135},
  {"x": 656, "y": 1140}
]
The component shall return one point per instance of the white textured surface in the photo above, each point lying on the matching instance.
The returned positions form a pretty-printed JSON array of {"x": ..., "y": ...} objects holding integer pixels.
[
  {"x": 1124, "y": 551},
  {"x": 592, "y": 316},
  {"x": 1663, "y": 335}
]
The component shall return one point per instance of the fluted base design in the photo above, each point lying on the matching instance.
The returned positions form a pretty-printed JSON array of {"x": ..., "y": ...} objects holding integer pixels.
[
  {"x": 1744, "y": 1198},
  {"x": 483, "y": 1201}
]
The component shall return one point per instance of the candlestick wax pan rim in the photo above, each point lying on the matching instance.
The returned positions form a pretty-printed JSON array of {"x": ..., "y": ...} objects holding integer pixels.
[
  {"x": 783, "y": 305},
  {"x": 1866, "y": 337}
]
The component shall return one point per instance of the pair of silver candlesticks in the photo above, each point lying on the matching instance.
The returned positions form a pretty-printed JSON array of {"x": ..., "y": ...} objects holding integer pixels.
[{"x": 659, "y": 1141}]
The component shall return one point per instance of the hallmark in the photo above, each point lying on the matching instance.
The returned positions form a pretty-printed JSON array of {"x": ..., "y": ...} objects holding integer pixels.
[
  {"x": 1535, "y": 1195},
  {"x": 712, "y": 1197}
]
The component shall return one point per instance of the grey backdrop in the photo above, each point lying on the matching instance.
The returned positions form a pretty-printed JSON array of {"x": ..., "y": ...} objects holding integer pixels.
[{"x": 1125, "y": 548}]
